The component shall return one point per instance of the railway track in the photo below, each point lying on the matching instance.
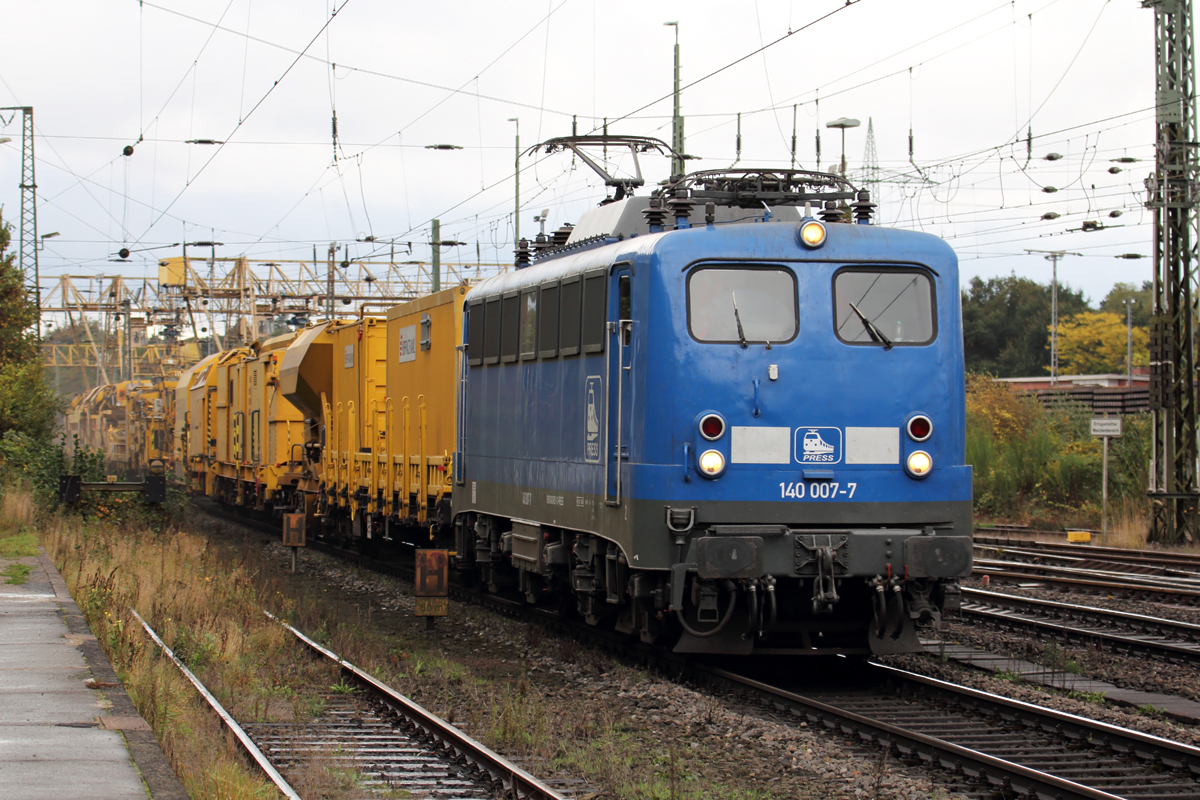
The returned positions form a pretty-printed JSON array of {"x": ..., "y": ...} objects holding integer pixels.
[
  {"x": 1113, "y": 559},
  {"x": 986, "y": 740},
  {"x": 387, "y": 745},
  {"x": 1115, "y": 631},
  {"x": 1157, "y": 589},
  {"x": 1037, "y": 540},
  {"x": 1020, "y": 749}
]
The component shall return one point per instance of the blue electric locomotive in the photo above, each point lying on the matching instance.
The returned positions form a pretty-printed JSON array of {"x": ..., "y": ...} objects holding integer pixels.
[{"x": 715, "y": 421}]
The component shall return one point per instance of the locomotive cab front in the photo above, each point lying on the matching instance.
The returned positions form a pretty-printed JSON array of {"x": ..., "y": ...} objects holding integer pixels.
[{"x": 840, "y": 518}]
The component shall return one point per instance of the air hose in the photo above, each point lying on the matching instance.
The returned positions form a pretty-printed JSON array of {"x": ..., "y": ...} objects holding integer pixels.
[{"x": 720, "y": 625}]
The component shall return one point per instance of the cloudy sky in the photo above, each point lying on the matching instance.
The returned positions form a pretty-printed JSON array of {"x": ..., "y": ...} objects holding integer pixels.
[{"x": 265, "y": 77}]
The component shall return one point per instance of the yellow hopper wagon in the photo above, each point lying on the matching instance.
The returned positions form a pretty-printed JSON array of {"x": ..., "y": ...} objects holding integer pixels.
[{"x": 334, "y": 373}]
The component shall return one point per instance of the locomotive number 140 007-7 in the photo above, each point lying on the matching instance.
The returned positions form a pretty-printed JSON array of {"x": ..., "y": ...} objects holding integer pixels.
[{"x": 823, "y": 490}]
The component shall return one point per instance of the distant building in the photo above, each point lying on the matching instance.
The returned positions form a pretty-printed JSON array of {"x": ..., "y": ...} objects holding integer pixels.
[{"x": 1112, "y": 393}]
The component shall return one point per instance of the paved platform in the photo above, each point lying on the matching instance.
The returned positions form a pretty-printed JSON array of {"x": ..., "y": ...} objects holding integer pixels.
[
  {"x": 67, "y": 728},
  {"x": 1173, "y": 706}
]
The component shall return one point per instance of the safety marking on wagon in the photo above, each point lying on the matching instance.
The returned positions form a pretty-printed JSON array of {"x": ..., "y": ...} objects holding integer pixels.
[
  {"x": 816, "y": 445},
  {"x": 591, "y": 394}
]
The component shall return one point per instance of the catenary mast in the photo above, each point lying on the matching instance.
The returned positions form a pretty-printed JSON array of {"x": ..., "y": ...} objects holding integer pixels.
[{"x": 1171, "y": 197}]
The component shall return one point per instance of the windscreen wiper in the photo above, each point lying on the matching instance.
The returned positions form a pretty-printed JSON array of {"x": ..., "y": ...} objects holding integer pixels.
[
  {"x": 875, "y": 334},
  {"x": 738, "y": 319}
]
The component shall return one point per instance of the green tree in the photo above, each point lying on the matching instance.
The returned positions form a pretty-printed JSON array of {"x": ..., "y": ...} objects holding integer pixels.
[
  {"x": 1096, "y": 342},
  {"x": 27, "y": 404},
  {"x": 1006, "y": 324},
  {"x": 17, "y": 315},
  {"x": 1143, "y": 302}
]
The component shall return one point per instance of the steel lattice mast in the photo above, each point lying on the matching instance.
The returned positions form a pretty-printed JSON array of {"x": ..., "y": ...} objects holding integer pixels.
[
  {"x": 1173, "y": 485},
  {"x": 28, "y": 254}
]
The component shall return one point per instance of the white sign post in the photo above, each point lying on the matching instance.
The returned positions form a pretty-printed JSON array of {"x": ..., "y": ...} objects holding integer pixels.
[{"x": 1106, "y": 428}]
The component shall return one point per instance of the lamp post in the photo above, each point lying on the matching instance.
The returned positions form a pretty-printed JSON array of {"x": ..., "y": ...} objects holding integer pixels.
[
  {"x": 1129, "y": 341},
  {"x": 517, "y": 186},
  {"x": 1053, "y": 257},
  {"x": 841, "y": 123}
]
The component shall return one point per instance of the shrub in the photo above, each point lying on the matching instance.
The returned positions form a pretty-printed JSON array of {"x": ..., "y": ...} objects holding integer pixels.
[{"x": 1034, "y": 461}]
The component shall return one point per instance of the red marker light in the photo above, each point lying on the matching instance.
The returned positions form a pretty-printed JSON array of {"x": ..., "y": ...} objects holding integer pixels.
[
  {"x": 712, "y": 427},
  {"x": 920, "y": 428}
]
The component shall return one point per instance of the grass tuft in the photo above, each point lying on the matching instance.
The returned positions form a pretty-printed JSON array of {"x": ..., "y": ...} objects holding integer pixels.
[
  {"x": 22, "y": 545},
  {"x": 16, "y": 573}
]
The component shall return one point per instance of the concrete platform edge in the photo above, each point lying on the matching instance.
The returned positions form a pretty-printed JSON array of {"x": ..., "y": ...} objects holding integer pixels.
[{"x": 144, "y": 749}]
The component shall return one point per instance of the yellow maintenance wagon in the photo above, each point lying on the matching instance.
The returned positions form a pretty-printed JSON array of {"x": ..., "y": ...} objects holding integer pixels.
[{"x": 422, "y": 365}]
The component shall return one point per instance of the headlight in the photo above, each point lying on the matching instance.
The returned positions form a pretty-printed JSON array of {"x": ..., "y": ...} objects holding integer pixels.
[
  {"x": 812, "y": 234},
  {"x": 919, "y": 464},
  {"x": 712, "y": 463}
]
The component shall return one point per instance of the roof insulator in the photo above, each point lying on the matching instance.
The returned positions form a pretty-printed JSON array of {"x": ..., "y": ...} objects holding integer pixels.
[
  {"x": 831, "y": 212},
  {"x": 563, "y": 234},
  {"x": 680, "y": 206},
  {"x": 656, "y": 215},
  {"x": 524, "y": 254},
  {"x": 863, "y": 208}
]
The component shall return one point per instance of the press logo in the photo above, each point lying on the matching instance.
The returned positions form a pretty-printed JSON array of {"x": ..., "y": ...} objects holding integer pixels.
[
  {"x": 819, "y": 445},
  {"x": 591, "y": 399}
]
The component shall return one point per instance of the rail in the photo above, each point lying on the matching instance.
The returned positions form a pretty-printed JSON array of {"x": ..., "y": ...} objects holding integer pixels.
[
  {"x": 997, "y": 740},
  {"x": 247, "y": 743},
  {"x": 1010, "y": 571},
  {"x": 1119, "y": 555},
  {"x": 516, "y": 781},
  {"x": 1120, "y": 630}
]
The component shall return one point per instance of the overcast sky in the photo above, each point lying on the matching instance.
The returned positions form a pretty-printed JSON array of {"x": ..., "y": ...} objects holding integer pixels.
[{"x": 966, "y": 76}]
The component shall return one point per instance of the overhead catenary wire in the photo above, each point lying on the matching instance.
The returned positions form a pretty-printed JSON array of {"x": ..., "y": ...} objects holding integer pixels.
[
  {"x": 363, "y": 70},
  {"x": 250, "y": 113}
]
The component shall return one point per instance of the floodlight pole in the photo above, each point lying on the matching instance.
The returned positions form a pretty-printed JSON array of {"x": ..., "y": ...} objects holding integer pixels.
[
  {"x": 435, "y": 268},
  {"x": 677, "y": 167},
  {"x": 517, "y": 186},
  {"x": 1053, "y": 257}
]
